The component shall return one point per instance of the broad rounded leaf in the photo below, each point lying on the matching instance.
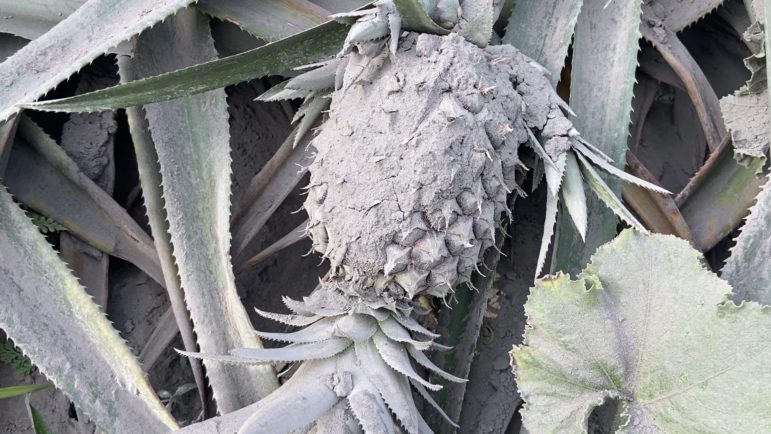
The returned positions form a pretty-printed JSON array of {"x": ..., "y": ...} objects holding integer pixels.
[{"x": 647, "y": 325}]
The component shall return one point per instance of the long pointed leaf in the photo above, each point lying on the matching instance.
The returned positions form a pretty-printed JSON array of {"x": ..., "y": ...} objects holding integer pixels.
[
  {"x": 603, "y": 76},
  {"x": 603, "y": 191},
  {"x": 44, "y": 178},
  {"x": 150, "y": 179},
  {"x": 12, "y": 391},
  {"x": 30, "y": 19},
  {"x": 430, "y": 400},
  {"x": 424, "y": 361},
  {"x": 316, "y": 332},
  {"x": 549, "y": 221},
  {"x": 267, "y": 19},
  {"x": 369, "y": 408},
  {"x": 395, "y": 355},
  {"x": 394, "y": 388},
  {"x": 543, "y": 30},
  {"x": 573, "y": 194},
  {"x": 274, "y": 58},
  {"x": 281, "y": 184},
  {"x": 294, "y": 236},
  {"x": 603, "y": 164},
  {"x": 416, "y": 18},
  {"x": 53, "y": 57},
  {"x": 292, "y": 353},
  {"x": 748, "y": 269},
  {"x": 191, "y": 136},
  {"x": 75, "y": 346}
]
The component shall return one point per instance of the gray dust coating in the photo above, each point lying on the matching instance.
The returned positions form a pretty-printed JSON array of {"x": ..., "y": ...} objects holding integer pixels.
[{"x": 416, "y": 160}]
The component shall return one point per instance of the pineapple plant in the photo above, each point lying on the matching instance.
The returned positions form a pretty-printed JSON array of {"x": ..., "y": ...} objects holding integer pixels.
[
  {"x": 430, "y": 127},
  {"x": 417, "y": 121}
]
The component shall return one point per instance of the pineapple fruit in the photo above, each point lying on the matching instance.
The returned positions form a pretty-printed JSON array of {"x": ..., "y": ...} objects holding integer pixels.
[{"x": 413, "y": 167}]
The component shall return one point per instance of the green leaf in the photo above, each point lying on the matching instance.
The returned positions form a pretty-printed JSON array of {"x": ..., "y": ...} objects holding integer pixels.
[
  {"x": 50, "y": 317},
  {"x": 543, "y": 31},
  {"x": 645, "y": 325},
  {"x": 44, "y": 178},
  {"x": 53, "y": 57},
  {"x": 10, "y": 355},
  {"x": 30, "y": 19},
  {"x": 274, "y": 58},
  {"x": 602, "y": 83},
  {"x": 192, "y": 141},
  {"x": 415, "y": 18},
  {"x": 13, "y": 391},
  {"x": 270, "y": 20},
  {"x": 38, "y": 423},
  {"x": 46, "y": 225}
]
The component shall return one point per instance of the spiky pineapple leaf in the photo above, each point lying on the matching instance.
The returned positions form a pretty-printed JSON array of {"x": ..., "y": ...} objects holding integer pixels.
[
  {"x": 543, "y": 30},
  {"x": 306, "y": 47},
  {"x": 645, "y": 325},
  {"x": 10, "y": 44},
  {"x": 414, "y": 17},
  {"x": 13, "y": 391},
  {"x": 44, "y": 178},
  {"x": 748, "y": 269},
  {"x": 718, "y": 197},
  {"x": 254, "y": 213},
  {"x": 101, "y": 376},
  {"x": 150, "y": 179},
  {"x": 604, "y": 62},
  {"x": 30, "y": 19},
  {"x": 573, "y": 195},
  {"x": 270, "y": 20},
  {"x": 606, "y": 195},
  {"x": 192, "y": 141},
  {"x": 338, "y": 6},
  {"x": 476, "y": 23},
  {"x": 679, "y": 14},
  {"x": 54, "y": 56}
]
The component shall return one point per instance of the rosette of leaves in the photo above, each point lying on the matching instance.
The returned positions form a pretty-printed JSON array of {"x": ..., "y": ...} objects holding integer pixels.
[
  {"x": 430, "y": 128},
  {"x": 351, "y": 352}
]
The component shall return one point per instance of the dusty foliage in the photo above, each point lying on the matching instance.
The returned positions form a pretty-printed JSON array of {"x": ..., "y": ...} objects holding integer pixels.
[
  {"x": 432, "y": 132},
  {"x": 416, "y": 121}
]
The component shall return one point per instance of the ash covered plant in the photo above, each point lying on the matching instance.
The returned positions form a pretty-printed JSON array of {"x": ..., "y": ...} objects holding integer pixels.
[{"x": 415, "y": 159}]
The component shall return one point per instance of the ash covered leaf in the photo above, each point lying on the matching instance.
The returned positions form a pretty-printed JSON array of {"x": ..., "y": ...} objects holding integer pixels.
[
  {"x": 746, "y": 117},
  {"x": 645, "y": 324},
  {"x": 749, "y": 267}
]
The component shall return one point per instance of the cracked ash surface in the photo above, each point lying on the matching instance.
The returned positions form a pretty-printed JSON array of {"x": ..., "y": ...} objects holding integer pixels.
[{"x": 414, "y": 164}]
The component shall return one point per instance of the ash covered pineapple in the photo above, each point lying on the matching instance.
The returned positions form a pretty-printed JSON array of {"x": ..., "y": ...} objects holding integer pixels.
[
  {"x": 414, "y": 165},
  {"x": 409, "y": 185}
]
